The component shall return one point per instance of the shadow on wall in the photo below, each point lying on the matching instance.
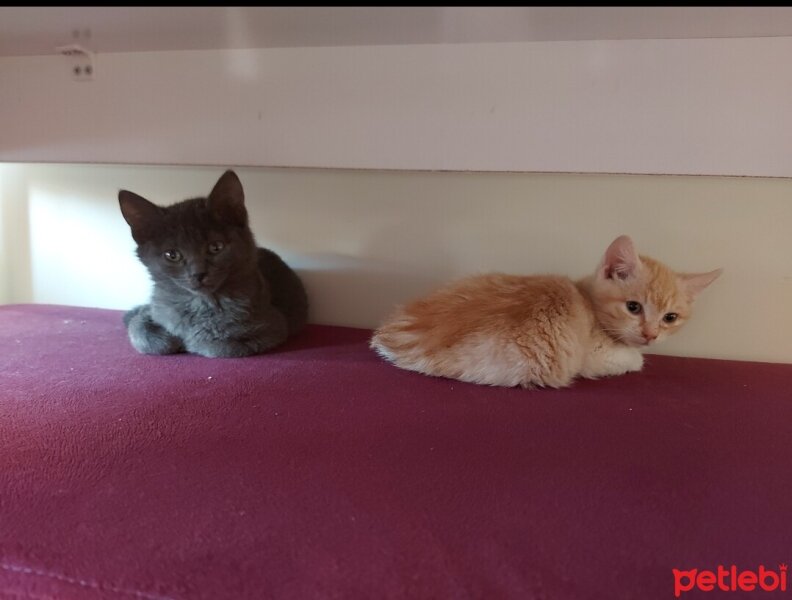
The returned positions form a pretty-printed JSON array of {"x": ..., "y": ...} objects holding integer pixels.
[
  {"x": 365, "y": 242},
  {"x": 356, "y": 285},
  {"x": 358, "y": 291},
  {"x": 352, "y": 238}
]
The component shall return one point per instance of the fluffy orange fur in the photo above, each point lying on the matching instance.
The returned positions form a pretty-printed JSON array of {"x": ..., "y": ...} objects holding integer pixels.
[{"x": 543, "y": 330}]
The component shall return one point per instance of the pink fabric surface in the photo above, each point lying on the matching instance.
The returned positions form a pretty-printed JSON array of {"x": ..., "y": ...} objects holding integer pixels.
[{"x": 320, "y": 471}]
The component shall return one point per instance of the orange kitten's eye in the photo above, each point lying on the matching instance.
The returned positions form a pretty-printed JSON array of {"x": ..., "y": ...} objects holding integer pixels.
[
  {"x": 173, "y": 255},
  {"x": 634, "y": 307},
  {"x": 216, "y": 247},
  {"x": 670, "y": 317}
]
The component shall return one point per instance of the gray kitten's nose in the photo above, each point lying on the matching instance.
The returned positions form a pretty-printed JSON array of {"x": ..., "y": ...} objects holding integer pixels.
[{"x": 198, "y": 277}]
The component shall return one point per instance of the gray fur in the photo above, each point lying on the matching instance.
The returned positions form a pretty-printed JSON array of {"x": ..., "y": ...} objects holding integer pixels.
[{"x": 238, "y": 301}]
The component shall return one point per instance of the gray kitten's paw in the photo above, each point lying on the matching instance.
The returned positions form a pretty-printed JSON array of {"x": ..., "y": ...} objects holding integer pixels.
[
  {"x": 267, "y": 334},
  {"x": 223, "y": 349},
  {"x": 149, "y": 337}
]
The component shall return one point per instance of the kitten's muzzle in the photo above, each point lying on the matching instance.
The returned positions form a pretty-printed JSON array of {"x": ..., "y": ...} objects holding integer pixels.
[{"x": 199, "y": 281}]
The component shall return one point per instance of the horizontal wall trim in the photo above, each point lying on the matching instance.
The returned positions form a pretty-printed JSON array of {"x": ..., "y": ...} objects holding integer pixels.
[{"x": 717, "y": 107}]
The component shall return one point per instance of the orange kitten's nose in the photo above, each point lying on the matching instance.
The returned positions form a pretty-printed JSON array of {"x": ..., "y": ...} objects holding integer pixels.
[{"x": 649, "y": 335}]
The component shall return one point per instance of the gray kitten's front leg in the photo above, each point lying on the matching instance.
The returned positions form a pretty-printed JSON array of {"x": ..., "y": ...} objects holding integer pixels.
[
  {"x": 267, "y": 333},
  {"x": 148, "y": 336}
]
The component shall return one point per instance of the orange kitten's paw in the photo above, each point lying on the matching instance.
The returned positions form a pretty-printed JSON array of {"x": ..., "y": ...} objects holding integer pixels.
[
  {"x": 621, "y": 360},
  {"x": 606, "y": 361}
]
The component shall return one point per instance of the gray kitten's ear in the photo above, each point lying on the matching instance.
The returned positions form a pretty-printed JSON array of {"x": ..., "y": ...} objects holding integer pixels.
[
  {"x": 139, "y": 213},
  {"x": 227, "y": 200},
  {"x": 620, "y": 261}
]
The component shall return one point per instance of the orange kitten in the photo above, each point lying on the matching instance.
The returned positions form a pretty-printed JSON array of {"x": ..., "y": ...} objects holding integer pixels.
[{"x": 543, "y": 330}]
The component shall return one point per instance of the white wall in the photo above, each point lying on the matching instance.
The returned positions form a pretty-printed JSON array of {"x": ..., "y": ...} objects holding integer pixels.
[
  {"x": 696, "y": 106},
  {"x": 366, "y": 240}
]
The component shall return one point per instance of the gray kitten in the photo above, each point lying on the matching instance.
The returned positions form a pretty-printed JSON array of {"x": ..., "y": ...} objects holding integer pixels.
[{"x": 215, "y": 293}]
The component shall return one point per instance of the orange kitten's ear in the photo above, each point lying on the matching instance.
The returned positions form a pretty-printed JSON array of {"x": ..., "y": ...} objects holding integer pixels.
[
  {"x": 696, "y": 282},
  {"x": 620, "y": 261}
]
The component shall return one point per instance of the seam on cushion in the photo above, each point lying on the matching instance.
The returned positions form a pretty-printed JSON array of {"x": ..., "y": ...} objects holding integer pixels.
[{"x": 81, "y": 582}]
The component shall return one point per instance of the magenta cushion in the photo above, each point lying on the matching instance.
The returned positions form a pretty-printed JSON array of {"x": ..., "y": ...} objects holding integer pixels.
[{"x": 320, "y": 471}]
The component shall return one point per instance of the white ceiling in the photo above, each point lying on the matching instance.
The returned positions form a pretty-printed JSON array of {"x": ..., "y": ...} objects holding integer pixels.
[{"x": 38, "y": 30}]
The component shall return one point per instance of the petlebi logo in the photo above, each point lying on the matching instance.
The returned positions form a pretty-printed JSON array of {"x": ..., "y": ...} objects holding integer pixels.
[{"x": 730, "y": 580}]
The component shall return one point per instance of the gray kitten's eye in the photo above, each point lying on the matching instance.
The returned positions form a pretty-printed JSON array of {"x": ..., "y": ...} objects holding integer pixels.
[
  {"x": 670, "y": 317},
  {"x": 215, "y": 247},
  {"x": 634, "y": 307},
  {"x": 173, "y": 255}
]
